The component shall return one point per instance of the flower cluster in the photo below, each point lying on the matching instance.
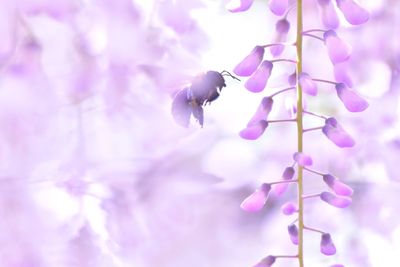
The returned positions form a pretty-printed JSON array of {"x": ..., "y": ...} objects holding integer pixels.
[{"x": 258, "y": 69}]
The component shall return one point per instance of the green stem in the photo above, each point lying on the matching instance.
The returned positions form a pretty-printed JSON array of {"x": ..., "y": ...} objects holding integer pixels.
[{"x": 299, "y": 121}]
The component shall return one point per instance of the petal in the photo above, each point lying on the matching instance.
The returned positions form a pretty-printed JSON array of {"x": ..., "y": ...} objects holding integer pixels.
[
  {"x": 292, "y": 79},
  {"x": 337, "y": 265},
  {"x": 289, "y": 208},
  {"x": 341, "y": 74},
  {"x": 266, "y": 262},
  {"x": 181, "y": 109},
  {"x": 307, "y": 84},
  {"x": 256, "y": 201},
  {"x": 338, "y": 49},
  {"x": 278, "y": 7},
  {"x": 351, "y": 100},
  {"x": 287, "y": 175},
  {"x": 328, "y": 14},
  {"x": 337, "y": 134},
  {"x": 334, "y": 200},
  {"x": 353, "y": 13},
  {"x": 239, "y": 5},
  {"x": 326, "y": 246},
  {"x": 257, "y": 82},
  {"x": 254, "y": 130},
  {"x": 263, "y": 110},
  {"x": 282, "y": 28},
  {"x": 337, "y": 186},
  {"x": 302, "y": 159},
  {"x": 250, "y": 63},
  {"x": 294, "y": 234}
]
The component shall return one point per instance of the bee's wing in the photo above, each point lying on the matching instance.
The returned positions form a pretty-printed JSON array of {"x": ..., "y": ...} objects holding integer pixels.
[
  {"x": 181, "y": 109},
  {"x": 198, "y": 113}
]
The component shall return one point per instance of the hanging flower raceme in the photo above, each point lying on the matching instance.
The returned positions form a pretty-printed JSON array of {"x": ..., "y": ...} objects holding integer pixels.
[
  {"x": 257, "y": 82},
  {"x": 338, "y": 49},
  {"x": 239, "y": 5},
  {"x": 337, "y": 134},
  {"x": 307, "y": 84},
  {"x": 334, "y": 200},
  {"x": 256, "y": 201},
  {"x": 278, "y": 7},
  {"x": 326, "y": 246},
  {"x": 351, "y": 100},
  {"x": 353, "y": 13},
  {"x": 282, "y": 28},
  {"x": 341, "y": 74},
  {"x": 266, "y": 262},
  {"x": 294, "y": 234},
  {"x": 302, "y": 159},
  {"x": 289, "y": 208},
  {"x": 337, "y": 186},
  {"x": 328, "y": 14},
  {"x": 254, "y": 131},
  {"x": 287, "y": 175},
  {"x": 250, "y": 63}
]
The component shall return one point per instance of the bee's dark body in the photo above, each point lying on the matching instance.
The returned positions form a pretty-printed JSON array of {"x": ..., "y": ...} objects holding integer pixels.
[{"x": 190, "y": 100}]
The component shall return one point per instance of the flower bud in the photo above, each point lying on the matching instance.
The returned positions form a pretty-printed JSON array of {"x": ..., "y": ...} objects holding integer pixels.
[
  {"x": 239, "y": 5},
  {"x": 263, "y": 111},
  {"x": 292, "y": 79},
  {"x": 302, "y": 159},
  {"x": 287, "y": 175},
  {"x": 338, "y": 49},
  {"x": 337, "y": 186},
  {"x": 351, "y": 100},
  {"x": 256, "y": 201},
  {"x": 254, "y": 131},
  {"x": 266, "y": 262},
  {"x": 294, "y": 234},
  {"x": 250, "y": 63},
  {"x": 278, "y": 7},
  {"x": 327, "y": 247},
  {"x": 257, "y": 82},
  {"x": 282, "y": 28},
  {"x": 334, "y": 200},
  {"x": 328, "y": 14},
  {"x": 289, "y": 208},
  {"x": 307, "y": 84},
  {"x": 337, "y": 134},
  {"x": 353, "y": 13}
]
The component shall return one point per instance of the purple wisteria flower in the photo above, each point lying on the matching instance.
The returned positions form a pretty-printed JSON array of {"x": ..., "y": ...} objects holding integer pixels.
[
  {"x": 337, "y": 134},
  {"x": 353, "y": 13},
  {"x": 250, "y": 63},
  {"x": 328, "y": 14},
  {"x": 337, "y": 265},
  {"x": 266, "y": 262},
  {"x": 287, "y": 175},
  {"x": 278, "y": 7},
  {"x": 239, "y": 5},
  {"x": 307, "y": 84},
  {"x": 336, "y": 201},
  {"x": 282, "y": 28},
  {"x": 302, "y": 159},
  {"x": 294, "y": 234},
  {"x": 341, "y": 73},
  {"x": 289, "y": 208},
  {"x": 326, "y": 246},
  {"x": 257, "y": 82},
  {"x": 256, "y": 201},
  {"x": 254, "y": 131},
  {"x": 351, "y": 100},
  {"x": 263, "y": 111},
  {"x": 337, "y": 186},
  {"x": 338, "y": 49}
]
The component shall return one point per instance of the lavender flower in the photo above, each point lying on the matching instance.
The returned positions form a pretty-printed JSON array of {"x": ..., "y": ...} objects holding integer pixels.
[
  {"x": 338, "y": 49},
  {"x": 337, "y": 265},
  {"x": 287, "y": 175},
  {"x": 282, "y": 28},
  {"x": 337, "y": 134},
  {"x": 334, "y": 200},
  {"x": 266, "y": 262},
  {"x": 294, "y": 234},
  {"x": 353, "y": 13},
  {"x": 327, "y": 247},
  {"x": 250, "y": 63},
  {"x": 341, "y": 74},
  {"x": 337, "y": 186},
  {"x": 328, "y": 14},
  {"x": 239, "y": 5},
  {"x": 351, "y": 100},
  {"x": 289, "y": 208},
  {"x": 307, "y": 84},
  {"x": 278, "y": 7},
  {"x": 263, "y": 111},
  {"x": 257, "y": 82},
  {"x": 256, "y": 201},
  {"x": 254, "y": 131},
  {"x": 302, "y": 159}
]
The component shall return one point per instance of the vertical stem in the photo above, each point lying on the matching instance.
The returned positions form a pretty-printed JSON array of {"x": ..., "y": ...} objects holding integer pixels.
[{"x": 299, "y": 121}]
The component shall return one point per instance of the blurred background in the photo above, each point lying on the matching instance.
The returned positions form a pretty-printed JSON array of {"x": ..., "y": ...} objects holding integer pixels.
[{"x": 95, "y": 172}]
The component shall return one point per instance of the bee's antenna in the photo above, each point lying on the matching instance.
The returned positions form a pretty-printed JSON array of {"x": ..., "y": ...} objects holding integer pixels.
[{"x": 227, "y": 73}]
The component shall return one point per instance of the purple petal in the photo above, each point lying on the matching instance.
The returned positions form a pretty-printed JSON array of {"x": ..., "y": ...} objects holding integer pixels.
[
  {"x": 302, "y": 159},
  {"x": 328, "y": 14},
  {"x": 334, "y": 200},
  {"x": 266, "y": 262},
  {"x": 278, "y": 7},
  {"x": 337, "y": 134},
  {"x": 337, "y": 186},
  {"x": 263, "y": 111},
  {"x": 292, "y": 79},
  {"x": 289, "y": 208},
  {"x": 294, "y": 234},
  {"x": 287, "y": 175},
  {"x": 337, "y": 265},
  {"x": 239, "y": 5},
  {"x": 250, "y": 63},
  {"x": 256, "y": 201},
  {"x": 257, "y": 82},
  {"x": 282, "y": 28},
  {"x": 338, "y": 49},
  {"x": 254, "y": 131},
  {"x": 351, "y": 100},
  {"x": 341, "y": 74},
  {"x": 353, "y": 13},
  {"x": 326, "y": 246},
  {"x": 307, "y": 84}
]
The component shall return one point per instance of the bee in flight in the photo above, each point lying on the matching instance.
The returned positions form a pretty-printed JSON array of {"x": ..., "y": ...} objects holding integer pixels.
[{"x": 204, "y": 89}]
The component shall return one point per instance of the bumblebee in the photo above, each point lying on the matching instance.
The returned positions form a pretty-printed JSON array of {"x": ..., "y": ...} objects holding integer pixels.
[{"x": 203, "y": 90}]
